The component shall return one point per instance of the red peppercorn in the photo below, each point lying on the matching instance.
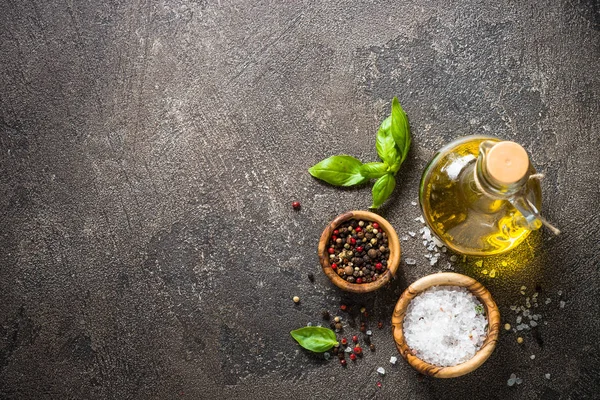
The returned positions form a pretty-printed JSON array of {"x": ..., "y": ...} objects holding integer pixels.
[
  {"x": 344, "y": 341},
  {"x": 366, "y": 314},
  {"x": 352, "y": 240},
  {"x": 358, "y": 280},
  {"x": 343, "y": 362},
  {"x": 331, "y": 250},
  {"x": 336, "y": 232},
  {"x": 334, "y": 238},
  {"x": 334, "y": 266},
  {"x": 378, "y": 266},
  {"x": 296, "y": 205},
  {"x": 358, "y": 229},
  {"x": 353, "y": 357},
  {"x": 359, "y": 249},
  {"x": 378, "y": 384},
  {"x": 375, "y": 225},
  {"x": 343, "y": 307},
  {"x": 380, "y": 324},
  {"x": 355, "y": 339},
  {"x": 357, "y": 350}
]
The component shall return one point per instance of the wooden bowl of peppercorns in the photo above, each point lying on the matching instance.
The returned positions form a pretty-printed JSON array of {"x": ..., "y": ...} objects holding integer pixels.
[{"x": 359, "y": 251}]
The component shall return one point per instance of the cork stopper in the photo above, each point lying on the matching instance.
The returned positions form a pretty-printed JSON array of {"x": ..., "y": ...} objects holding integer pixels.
[{"x": 507, "y": 162}]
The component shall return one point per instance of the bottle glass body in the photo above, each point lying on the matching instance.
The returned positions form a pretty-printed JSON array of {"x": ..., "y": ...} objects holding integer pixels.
[{"x": 457, "y": 211}]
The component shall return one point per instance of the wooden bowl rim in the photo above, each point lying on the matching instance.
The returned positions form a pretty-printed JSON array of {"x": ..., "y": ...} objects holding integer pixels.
[
  {"x": 393, "y": 245},
  {"x": 447, "y": 279}
]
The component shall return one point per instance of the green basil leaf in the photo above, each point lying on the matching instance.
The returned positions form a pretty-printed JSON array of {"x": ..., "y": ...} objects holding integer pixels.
[
  {"x": 386, "y": 146},
  {"x": 315, "y": 338},
  {"x": 339, "y": 171},
  {"x": 374, "y": 169},
  {"x": 400, "y": 129},
  {"x": 382, "y": 189}
]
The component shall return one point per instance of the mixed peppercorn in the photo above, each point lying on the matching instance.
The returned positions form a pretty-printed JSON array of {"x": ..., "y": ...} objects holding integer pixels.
[
  {"x": 350, "y": 345},
  {"x": 358, "y": 251}
]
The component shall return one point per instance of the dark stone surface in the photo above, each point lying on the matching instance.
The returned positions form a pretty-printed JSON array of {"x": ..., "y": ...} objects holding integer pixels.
[{"x": 150, "y": 152}]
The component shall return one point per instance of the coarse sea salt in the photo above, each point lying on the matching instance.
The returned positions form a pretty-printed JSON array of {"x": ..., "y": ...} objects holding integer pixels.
[{"x": 445, "y": 325}]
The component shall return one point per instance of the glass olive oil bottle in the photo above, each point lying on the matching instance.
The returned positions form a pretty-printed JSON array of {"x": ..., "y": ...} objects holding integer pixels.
[{"x": 480, "y": 196}]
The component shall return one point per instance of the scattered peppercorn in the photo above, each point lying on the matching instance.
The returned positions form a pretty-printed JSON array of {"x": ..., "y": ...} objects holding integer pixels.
[
  {"x": 296, "y": 205},
  {"x": 337, "y": 319},
  {"x": 363, "y": 327},
  {"x": 343, "y": 307},
  {"x": 325, "y": 315},
  {"x": 353, "y": 357},
  {"x": 296, "y": 299},
  {"x": 380, "y": 325},
  {"x": 519, "y": 340},
  {"x": 357, "y": 350},
  {"x": 355, "y": 339},
  {"x": 344, "y": 341},
  {"x": 372, "y": 347},
  {"x": 343, "y": 362},
  {"x": 339, "y": 326},
  {"x": 311, "y": 277}
]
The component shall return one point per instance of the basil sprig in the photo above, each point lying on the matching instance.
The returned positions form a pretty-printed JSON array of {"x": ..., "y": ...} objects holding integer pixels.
[
  {"x": 392, "y": 143},
  {"x": 315, "y": 338}
]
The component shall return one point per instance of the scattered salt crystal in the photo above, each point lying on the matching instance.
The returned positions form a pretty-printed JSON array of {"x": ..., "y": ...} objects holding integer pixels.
[
  {"x": 414, "y": 203},
  {"x": 427, "y": 256},
  {"x": 560, "y": 292},
  {"x": 404, "y": 238},
  {"x": 444, "y": 249},
  {"x": 453, "y": 258},
  {"x": 533, "y": 324},
  {"x": 532, "y": 356},
  {"x": 513, "y": 308},
  {"x": 492, "y": 273},
  {"x": 512, "y": 380},
  {"x": 485, "y": 272},
  {"x": 525, "y": 313},
  {"x": 519, "y": 319},
  {"x": 519, "y": 381},
  {"x": 369, "y": 332},
  {"x": 523, "y": 287},
  {"x": 412, "y": 234},
  {"x": 535, "y": 295},
  {"x": 562, "y": 304},
  {"x": 444, "y": 325},
  {"x": 326, "y": 355},
  {"x": 410, "y": 261},
  {"x": 548, "y": 301},
  {"x": 393, "y": 360},
  {"x": 420, "y": 219},
  {"x": 381, "y": 371},
  {"x": 348, "y": 349},
  {"x": 547, "y": 376},
  {"x": 479, "y": 263}
]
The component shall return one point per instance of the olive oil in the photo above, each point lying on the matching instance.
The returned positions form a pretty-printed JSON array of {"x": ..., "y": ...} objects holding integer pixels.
[{"x": 468, "y": 213}]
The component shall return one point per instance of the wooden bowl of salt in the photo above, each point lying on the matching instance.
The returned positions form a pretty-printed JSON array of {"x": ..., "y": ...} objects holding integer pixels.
[{"x": 446, "y": 279}]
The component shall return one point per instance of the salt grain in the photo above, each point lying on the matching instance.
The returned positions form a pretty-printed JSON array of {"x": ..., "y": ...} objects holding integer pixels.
[
  {"x": 393, "y": 360},
  {"x": 410, "y": 261},
  {"x": 532, "y": 356},
  {"x": 381, "y": 371},
  {"x": 547, "y": 376},
  {"x": 562, "y": 304},
  {"x": 443, "y": 325}
]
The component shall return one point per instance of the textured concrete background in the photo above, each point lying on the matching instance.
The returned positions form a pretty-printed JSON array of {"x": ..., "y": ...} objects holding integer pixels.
[{"x": 150, "y": 152}]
